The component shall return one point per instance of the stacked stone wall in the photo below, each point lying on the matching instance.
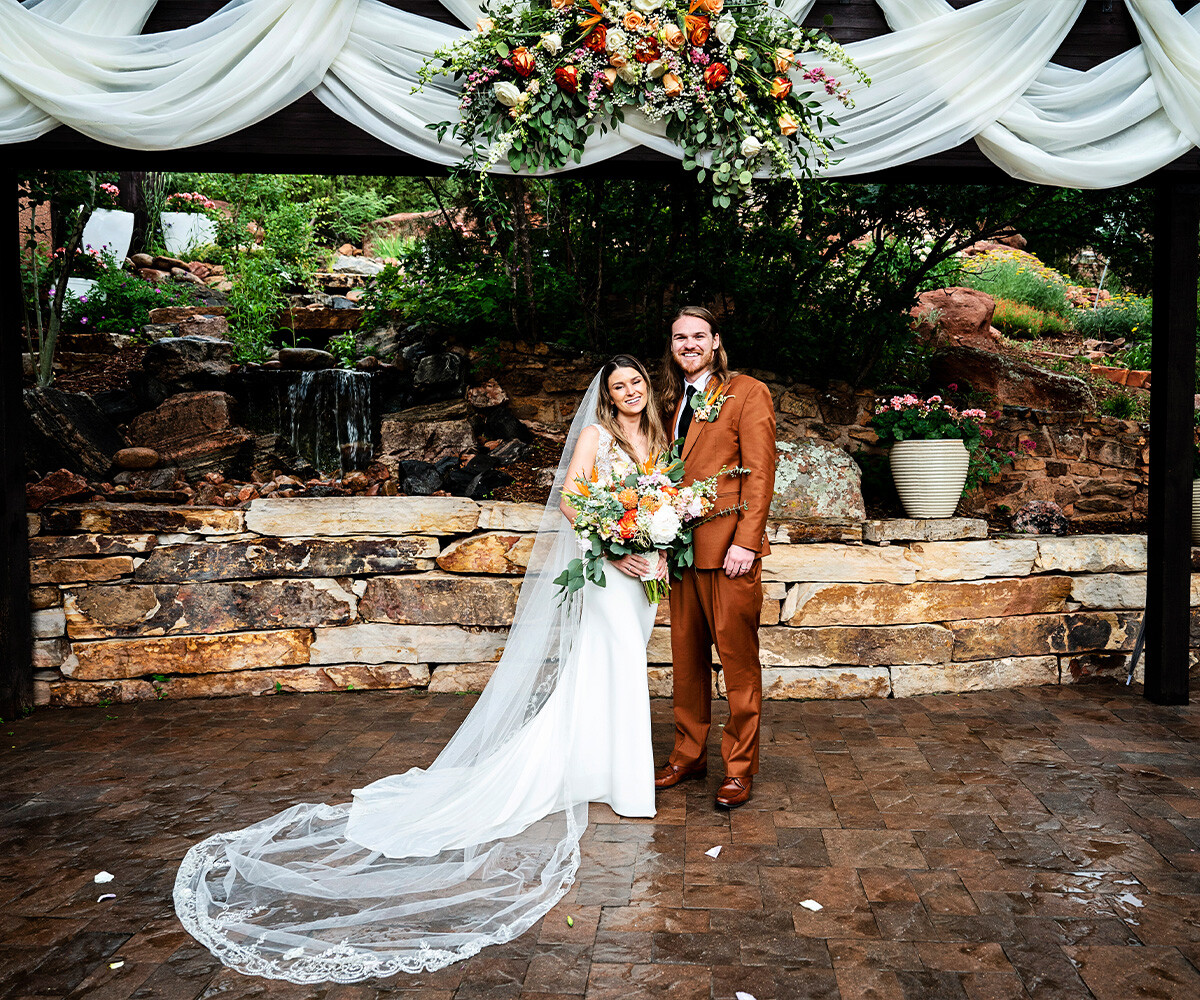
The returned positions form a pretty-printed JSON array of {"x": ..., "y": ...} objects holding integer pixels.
[
  {"x": 1095, "y": 468},
  {"x": 141, "y": 602}
]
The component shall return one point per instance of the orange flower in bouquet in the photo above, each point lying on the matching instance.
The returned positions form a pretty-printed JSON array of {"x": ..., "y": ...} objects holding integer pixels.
[
  {"x": 698, "y": 28},
  {"x": 567, "y": 78},
  {"x": 523, "y": 61},
  {"x": 715, "y": 74}
]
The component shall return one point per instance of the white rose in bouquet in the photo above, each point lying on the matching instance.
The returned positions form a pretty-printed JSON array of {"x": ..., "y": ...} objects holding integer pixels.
[
  {"x": 664, "y": 525},
  {"x": 622, "y": 468},
  {"x": 647, "y": 6},
  {"x": 656, "y": 69},
  {"x": 751, "y": 147},
  {"x": 551, "y": 42},
  {"x": 628, "y": 73},
  {"x": 616, "y": 39},
  {"x": 507, "y": 94},
  {"x": 726, "y": 28}
]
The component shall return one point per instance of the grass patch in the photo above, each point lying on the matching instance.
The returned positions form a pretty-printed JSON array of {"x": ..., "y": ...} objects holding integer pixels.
[
  {"x": 1022, "y": 280},
  {"x": 1019, "y": 321}
]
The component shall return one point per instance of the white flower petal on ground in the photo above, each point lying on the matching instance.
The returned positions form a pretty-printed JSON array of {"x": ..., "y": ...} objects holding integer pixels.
[
  {"x": 811, "y": 904},
  {"x": 103, "y": 877},
  {"x": 712, "y": 852},
  {"x": 107, "y": 895}
]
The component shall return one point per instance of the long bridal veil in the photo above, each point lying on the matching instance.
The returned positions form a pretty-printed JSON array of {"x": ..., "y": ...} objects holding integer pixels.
[{"x": 424, "y": 868}]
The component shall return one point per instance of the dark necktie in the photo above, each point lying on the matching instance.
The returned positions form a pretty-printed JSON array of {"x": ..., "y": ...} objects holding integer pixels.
[{"x": 685, "y": 418}]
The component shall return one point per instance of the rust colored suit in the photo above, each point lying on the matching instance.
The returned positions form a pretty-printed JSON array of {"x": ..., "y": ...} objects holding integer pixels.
[{"x": 707, "y": 607}]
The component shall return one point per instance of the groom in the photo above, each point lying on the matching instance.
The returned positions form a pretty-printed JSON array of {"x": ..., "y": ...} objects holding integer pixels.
[{"x": 725, "y": 420}]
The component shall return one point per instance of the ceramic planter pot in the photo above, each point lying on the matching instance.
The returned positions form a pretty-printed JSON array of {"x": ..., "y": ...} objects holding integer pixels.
[
  {"x": 1196, "y": 511},
  {"x": 111, "y": 231},
  {"x": 929, "y": 475},
  {"x": 185, "y": 231}
]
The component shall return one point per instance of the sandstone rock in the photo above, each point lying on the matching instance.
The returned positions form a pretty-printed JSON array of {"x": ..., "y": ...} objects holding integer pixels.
[
  {"x": 980, "y": 675},
  {"x": 119, "y": 519},
  {"x": 787, "y": 683},
  {"x": 200, "y": 269},
  {"x": 1092, "y": 554},
  {"x": 193, "y": 432},
  {"x": 836, "y": 646},
  {"x": 136, "y": 458},
  {"x": 660, "y": 681},
  {"x": 942, "y": 529},
  {"x": 41, "y": 598},
  {"x": 115, "y": 659},
  {"x": 1110, "y": 590},
  {"x": 439, "y": 599},
  {"x": 389, "y": 516},
  {"x": 815, "y": 479},
  {"x": 405, "y": 644},
  {"x": 1040, "y": 517},
  {"x": 973, "y": 560},
  {"x": 216, "y": 327},
  {"x": 79, "y": 570},
  {"x": 1032, "y": 635},
  {"x": 885, "y": 604},
  {"x": 492, "y": 552},
  {"x": 453, "y": 678},
  {"x": 71, "y": 546},
  {"x": 955, "y": 316},
  {"x": 48, "y": 624},
  {"x": 427, "y": 433},
  {"x": 503, "y": 515},
  {"x": 49, "y": 653},
  {"x": 821, "y": 561},
  {"x": 305, "y": 358},
  {"x": 55, "y": 487},
  {"x": 1094, "y": 666},
  {"x": 487, "y": 396},
  {"x": 1016, "y": 382},
  {"x": 177, "y": 314},
  {"x": 441, "y": 376},
  {"x": 346, "y": 264},
  {"x": 794, "y": 530},
  {"x": 188, "y": 362},
  {"x": 138, "y": 609},
  {"x": 141, "y": 260},
  {"x": 153, "y": 275},
  {"x": 277, "y": 557},
  {"x": 68, "y": 430},
  {"x": 33, "y": 524}
]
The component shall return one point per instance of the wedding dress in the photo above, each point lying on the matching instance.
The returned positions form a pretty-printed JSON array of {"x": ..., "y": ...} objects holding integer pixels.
[{"x": 428, "y": 867}]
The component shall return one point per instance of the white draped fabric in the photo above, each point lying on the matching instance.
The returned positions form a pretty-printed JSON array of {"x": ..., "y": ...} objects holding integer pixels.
[{"x": 941, "y": 77}]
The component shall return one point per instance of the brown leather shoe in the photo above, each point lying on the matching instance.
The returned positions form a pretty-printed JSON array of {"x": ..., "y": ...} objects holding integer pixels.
[
  {"x": 672, "y": 774},
  {"x": 734, "y": 792}
]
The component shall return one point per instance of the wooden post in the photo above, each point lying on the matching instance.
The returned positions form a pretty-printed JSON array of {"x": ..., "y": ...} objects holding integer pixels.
[
  {"x": 16, "y": 636},
  {"x": 1173, "y": 361}
]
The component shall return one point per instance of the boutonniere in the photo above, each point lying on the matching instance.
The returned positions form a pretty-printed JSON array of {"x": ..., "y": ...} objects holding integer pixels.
[{"x": 706, "y": 406}]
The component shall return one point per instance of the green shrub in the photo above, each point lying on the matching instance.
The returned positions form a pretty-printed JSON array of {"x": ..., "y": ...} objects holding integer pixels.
[
  {"x": 254, "y": 306},
  {"x": 343, "y": 216},
  {"x": 288, "y": 238},
  {"x": 120, "y": 302},
  {"x": 1022, "y": 322},
  {"x": 396, "y": 246},
  {"x": 1019, "y": 281},
  {"x": 344, "y": 348},
  {"x": 1126, "y": 316},
  {"x": 1120, "y": 405},
  {"x": 1137, "y": 356}
]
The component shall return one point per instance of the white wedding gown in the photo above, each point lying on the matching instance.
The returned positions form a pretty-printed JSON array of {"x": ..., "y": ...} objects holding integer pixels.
[{"x": 427, "y": 867}]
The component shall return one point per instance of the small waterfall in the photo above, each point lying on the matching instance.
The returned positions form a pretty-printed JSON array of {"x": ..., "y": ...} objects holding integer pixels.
[{"x": 326, "y": 415}]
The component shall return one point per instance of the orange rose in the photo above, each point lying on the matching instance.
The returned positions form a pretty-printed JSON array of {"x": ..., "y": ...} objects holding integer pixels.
[
  {"x": 697, "y": 29},
  {"x": 628, "y": 524},
  {"x": 618, "y": 60},
  {"x": 671, "y": 491},
  {"x": 523, "y": 61},
  {"x": 715, "y": 74},
  {"x": 672, "y": 84},
  {"x": 597, "y": 41},
  {"x": 632, "y": 21},
  {"x": 673, "y": 37},
  {"x": 561, "y": 4},
  {"x": 787, "y": 124},
  {"x": 784, "y": 59},
  {"x": 646, "y": 50},
  {"x": 567, "y": 78},
  {"x": 610, "y": 78},
  {"x": 711, "y": 6},
  {"x": 627, "y": 498},
  {"x": 780, "y": 87}
]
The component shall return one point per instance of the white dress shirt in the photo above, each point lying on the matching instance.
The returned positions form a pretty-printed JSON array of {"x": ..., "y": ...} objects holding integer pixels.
[{"x": 700, "y": 382}]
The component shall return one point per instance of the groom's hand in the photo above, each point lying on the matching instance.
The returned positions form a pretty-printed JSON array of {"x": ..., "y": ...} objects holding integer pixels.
[
  {"x": 631, "y": 565},
  {"x": 738, "y": 561}
]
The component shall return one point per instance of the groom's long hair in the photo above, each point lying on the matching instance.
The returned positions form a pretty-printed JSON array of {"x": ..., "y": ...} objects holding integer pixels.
[
  {"x": 672, "y": 375},
  {"x": 606, "y": 412}
]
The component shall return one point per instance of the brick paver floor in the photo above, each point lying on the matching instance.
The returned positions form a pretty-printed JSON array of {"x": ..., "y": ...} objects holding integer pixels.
[{"x": 1041, "y": 842}]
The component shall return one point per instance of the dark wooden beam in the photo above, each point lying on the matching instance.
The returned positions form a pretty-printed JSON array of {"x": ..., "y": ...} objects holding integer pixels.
[
  {"x": 16, "y": 635},
  {"x": 1173, "y": 359}
]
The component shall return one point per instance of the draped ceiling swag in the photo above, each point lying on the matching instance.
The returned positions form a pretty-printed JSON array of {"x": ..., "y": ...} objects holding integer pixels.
[{"x": 941, "y": 77}]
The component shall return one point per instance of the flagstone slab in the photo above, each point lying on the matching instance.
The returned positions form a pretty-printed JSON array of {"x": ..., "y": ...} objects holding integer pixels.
[
  {"x": 339, "y": 516},
  {"x": 503, "y": 515},
  {"x": 125, "y": 610},
  {"x": 823, "y": 561},
  {"x": 1032, "y": 635},
  {"x": 114, "y": 659},
  {"x": 452, "y": 678},
  {"x": 136, "y": 518},
  {"x": 886, "y": 604},
  {"x": 977, "y": 675},
  {"x": 494, "y": 552},
  {"x": 73, "y": 546},
  {"x": 97, "y": 570},
  {"x": 1092, "y": 554},
  {"x": 907, "y": 529},
  {"x": 844, "y": 646},
  {"x": 379, "y": 643},
  {"x": 973, "y": 560},
  {"x": 440, "y": 599},
  {"x": 287, "y": 557},
  {"x": 825, "y": 682}
]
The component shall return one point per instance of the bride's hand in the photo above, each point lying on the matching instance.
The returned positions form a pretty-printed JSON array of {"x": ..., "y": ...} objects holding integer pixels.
[
  {"x": 632, "y": 565},
  {"x": 663, "y": 566}
]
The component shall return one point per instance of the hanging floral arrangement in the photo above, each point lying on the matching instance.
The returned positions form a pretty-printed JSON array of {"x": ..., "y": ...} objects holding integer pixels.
[{"x": 728, "y": 82}]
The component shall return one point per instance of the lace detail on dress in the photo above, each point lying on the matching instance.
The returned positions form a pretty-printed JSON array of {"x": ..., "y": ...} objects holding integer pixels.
[{"x": 609, "y": 453}]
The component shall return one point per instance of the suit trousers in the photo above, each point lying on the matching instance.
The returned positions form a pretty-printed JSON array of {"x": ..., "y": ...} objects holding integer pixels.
[{"x": 708, "y": 608}]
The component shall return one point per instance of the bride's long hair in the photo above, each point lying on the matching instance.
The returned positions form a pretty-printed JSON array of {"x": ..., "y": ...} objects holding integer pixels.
[{"x": 606, "y": 410}]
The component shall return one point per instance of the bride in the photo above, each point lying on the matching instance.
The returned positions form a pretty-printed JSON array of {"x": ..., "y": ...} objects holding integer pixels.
[{"x": 426, "y": 868}]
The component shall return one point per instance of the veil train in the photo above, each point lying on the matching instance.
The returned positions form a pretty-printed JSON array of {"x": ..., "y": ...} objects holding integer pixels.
[{"x": 427, "y": 867}]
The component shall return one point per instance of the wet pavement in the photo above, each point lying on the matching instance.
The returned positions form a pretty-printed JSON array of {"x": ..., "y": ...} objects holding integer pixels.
[{"x": 1037, "y": 843}]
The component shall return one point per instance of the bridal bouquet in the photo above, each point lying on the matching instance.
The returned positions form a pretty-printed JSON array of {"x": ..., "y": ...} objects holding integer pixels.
[
  {"x": 726, "y": 81},
  {"x": 637, "y": 509}
]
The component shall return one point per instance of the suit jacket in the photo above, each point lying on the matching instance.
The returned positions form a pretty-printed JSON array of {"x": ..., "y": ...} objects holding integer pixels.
[{"x": 743, "y": 434}]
